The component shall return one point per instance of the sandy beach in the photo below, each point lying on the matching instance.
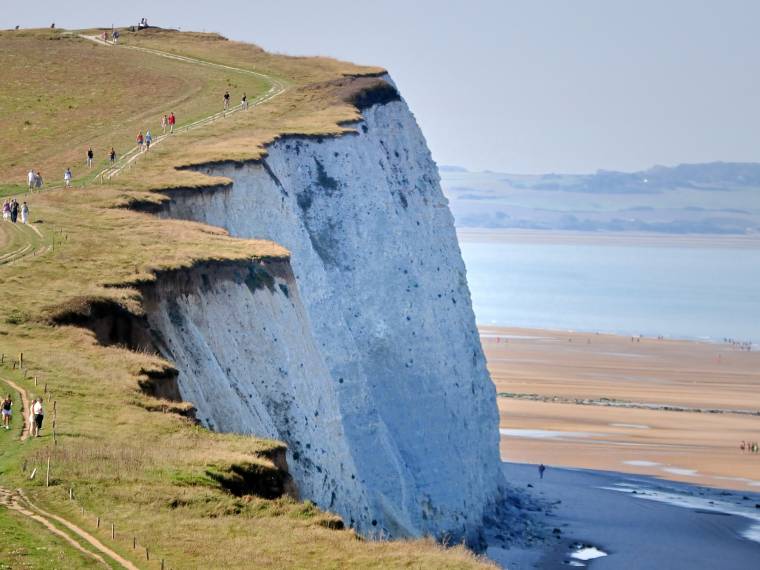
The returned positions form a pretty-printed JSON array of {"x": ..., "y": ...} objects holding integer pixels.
[{"x": 606, "y": 402}]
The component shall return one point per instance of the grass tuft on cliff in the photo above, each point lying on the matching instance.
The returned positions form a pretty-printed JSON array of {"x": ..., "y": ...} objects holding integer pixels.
[{"x": 193, "y": 497}]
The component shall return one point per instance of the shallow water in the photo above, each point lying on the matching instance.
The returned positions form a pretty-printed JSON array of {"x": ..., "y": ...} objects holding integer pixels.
[{"x": 674, "y": 291}]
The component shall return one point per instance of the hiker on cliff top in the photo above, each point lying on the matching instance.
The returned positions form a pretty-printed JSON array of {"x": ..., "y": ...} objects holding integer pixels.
[
  {"x": 112, "y": 155},
  {"x": 90, "y": 156},
  {"x": 31, "y": 178},
  {"x": 140, "y": 140},
  {"x": 14, "y": 210},
  {"x": 24, "y": 213},
  {"x": 67, "y": 178},
  {"x": 171, "y": 120},
  {"x": 226, "y": 100},
  {"x": 6, "y": 211},
  {"x": 148, "y": 140},
  {"x": 164, "y": 122},
  {"x": 38, "y": 413},
  {"x": 7, "y": 411},
  {"x": 244, "y": 102}
]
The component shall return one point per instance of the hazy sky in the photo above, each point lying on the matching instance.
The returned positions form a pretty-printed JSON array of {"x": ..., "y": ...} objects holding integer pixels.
[{"x": 517, "y": 86}]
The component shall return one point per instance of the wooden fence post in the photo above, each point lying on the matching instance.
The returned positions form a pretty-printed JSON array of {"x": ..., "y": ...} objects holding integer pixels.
[
  {"x": 113, "y": 531},
  {"x": 20, "y": 359},
  {"x": 147, "y": 553},
  {"x": 134, "y": 542},
  {"x": 47, "y": 476},
  {"x": 97, "y": 523}
]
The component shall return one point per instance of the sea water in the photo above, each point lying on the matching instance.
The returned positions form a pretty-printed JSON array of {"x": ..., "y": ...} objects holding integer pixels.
[{"x": 687, "y": 291}]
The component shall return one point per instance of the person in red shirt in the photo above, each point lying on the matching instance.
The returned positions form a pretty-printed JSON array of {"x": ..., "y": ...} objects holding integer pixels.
[
  {"x": 172, "y": 120},
  {"x": 140, "y": 140}
]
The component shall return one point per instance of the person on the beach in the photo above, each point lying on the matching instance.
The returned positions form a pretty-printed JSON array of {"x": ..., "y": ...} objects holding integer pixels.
[
  {"x": 172, "y": 120},
  {"x": 226, "y": 100},
  {"x": 112, "y": 155},
  {"x": 148, "y": 140},
  {"x": 541, "y": 469},
  {"x": 140, "y": 140},
  {"x": 67, "y": 178},
  {"x": 24, "y": 213},
  {"x": 7, "y": 411},
  {"x": 39, "y": 415},
  {"x": 244, "y": 102}
]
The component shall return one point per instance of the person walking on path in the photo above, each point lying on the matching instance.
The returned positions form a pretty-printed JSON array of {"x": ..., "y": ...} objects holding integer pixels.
[
  {"x": 148, "y": 140},
  {"x": 112, "y": 155},
  {"x": 38, "y": 180},
  {"x": 7, "y": 211},
  {"x": 172, "y": 120},
  {"x": 39, "y": 415},
  {"x": 164, "y": 123},
  {"x": 90, "y": 156},
  {"x": 115, "y": 36},
  {"x": 140, "y": 140},
  {"x": 31, "y": 178},
  {"x": 7, "y": 411},
  {"x": 14, "y": 210},
  {"x": 24, "y": 213},
  {"x": 244, "y": 102},
  {"x": 541, "y": 469},
  {"x": 67, "y": 178},
  {"x": 226, "y": 100}
]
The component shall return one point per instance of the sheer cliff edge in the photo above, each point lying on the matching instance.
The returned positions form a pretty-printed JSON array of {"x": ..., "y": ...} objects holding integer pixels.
[{"x": 362, "y": 352}]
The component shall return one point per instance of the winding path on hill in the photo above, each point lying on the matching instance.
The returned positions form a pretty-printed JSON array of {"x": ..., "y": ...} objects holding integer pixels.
[
  {"x": 21, "y": 244},
  {"x": 18, "y": 501},
  {"x": 276, "y": 87}
]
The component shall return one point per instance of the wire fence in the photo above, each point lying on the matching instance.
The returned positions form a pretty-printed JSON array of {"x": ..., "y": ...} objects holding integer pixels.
[{"x": 103, "y": 528}]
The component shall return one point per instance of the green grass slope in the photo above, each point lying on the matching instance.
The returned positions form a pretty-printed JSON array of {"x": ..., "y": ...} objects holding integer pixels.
[{"x": 192, "y": 497}]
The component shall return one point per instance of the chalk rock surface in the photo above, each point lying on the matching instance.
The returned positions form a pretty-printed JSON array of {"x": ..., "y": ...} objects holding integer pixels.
[{"x": 363, "y": 355}]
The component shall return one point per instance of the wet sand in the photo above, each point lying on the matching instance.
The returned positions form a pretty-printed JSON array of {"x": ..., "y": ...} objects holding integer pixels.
[
  {"x": 541, "y": 375},
  {"x": 633, "y": 523}
]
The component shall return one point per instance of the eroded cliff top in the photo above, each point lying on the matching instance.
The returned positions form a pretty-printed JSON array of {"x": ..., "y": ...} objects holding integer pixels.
[{"x": 157, "y": 475}]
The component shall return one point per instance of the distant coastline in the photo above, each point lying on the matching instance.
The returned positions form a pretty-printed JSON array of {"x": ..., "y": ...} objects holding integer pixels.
[{"x": 490, "y": 235}]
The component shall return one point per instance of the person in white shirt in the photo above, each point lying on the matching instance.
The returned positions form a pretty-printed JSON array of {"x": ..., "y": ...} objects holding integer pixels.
[
  {"x": 32, "y": 178},
  {"x": 67, "y": 178},
  {"x": 24, "y": 213},
  {"x": 39, "y": 414}
]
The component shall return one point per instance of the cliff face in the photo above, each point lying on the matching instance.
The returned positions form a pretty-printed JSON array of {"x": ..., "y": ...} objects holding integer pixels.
[{"x": 365, "y": 358}]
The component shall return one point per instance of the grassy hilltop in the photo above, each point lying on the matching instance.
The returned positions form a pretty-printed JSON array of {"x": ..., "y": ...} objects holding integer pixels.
[{"x": 193, "y": 497}]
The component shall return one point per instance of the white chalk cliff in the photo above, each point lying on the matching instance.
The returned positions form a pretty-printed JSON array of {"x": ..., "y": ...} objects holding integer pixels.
[{"x": 361, "y": 354}]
